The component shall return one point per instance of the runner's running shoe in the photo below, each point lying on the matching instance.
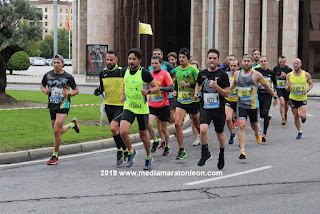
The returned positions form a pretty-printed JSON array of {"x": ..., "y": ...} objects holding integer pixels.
[
  {"x": 284, "y": 122},
  {"x": 119, "y": 158},
  {"x": 76, "y": 127},
  {"x": 166, "y": 151},
  {"x": 125, "y": 157},
  {"x": 299, "y": 136},
  {"x": 181, "y": 154},
  {"x": 258, "y": 138},
  {"x": 303, "y": 120},
  {"x": 162, "y": 145},
  {"x": 155, "y": 147},
  {"x": 53, "y": 161},
  {"x": 264, "y": 138},
  {"x": 242, "y": 155},
  {"x": 147, "y": 165},
  {"x": 205, "y": 156},
  {"x": 232, "y": 137},
  {"x": 130, "y": 159},
  {"x": 196, "y": 142}
]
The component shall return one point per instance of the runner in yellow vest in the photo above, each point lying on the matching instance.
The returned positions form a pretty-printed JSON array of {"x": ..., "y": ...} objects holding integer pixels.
[
  {"x": 297, "y": 85},
  {"x": 134, "y": 96}
]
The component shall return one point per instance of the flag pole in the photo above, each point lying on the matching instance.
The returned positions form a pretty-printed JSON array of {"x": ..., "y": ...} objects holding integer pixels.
[
  {"x": 69, "y": 44},
  {"x": 139, "y": 35}
]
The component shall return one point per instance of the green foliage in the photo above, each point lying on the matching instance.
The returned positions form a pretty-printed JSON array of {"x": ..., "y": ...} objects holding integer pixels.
[
  {"x": 18, "y": 23},
  {"x": 18, "y": 61},
  {"x": 34, "y": 49},
  {"x": 47, "y": 46}
]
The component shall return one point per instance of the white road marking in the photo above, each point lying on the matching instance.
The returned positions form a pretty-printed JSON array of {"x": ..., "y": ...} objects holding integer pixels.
[
  {"x": 310, "y": 115},
  {"x": 228, "y": 176}
]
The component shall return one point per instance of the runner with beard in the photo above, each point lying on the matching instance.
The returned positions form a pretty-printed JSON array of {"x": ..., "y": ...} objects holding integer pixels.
[
  {"x": 247, "y": 81},
  {"x": 111, "y": 82},
  {"x": 134, "y": 96},
  {"x": 214, "y": 85}
]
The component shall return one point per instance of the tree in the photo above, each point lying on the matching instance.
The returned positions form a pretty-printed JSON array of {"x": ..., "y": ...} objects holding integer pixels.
[
  {"x": 18, "y": 23},
  {"x": 47, "y": 46},
  {"x": 18, "y": 61},
  {"x": 34, "y": 49}
]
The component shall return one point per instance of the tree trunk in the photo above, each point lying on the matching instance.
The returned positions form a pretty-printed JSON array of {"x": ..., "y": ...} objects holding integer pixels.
[{"x": 3, "y": 77}]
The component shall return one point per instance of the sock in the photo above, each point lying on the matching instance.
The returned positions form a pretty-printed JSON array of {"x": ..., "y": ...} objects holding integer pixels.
[
  {"x": 148, "y": 157},
  {"x": 221, "y": 150},
  {"x": 131, "y": 151},
  {"x": 72, "y": 125},
  {"x": 265, "y": 124},
  {"x": 126, "y": 150},
  {"x": 167, "y": 146},
  {"x": 242, "y": 150},
  {"x": 119, "y": 150},
  {"x": 55, "y": 154},
  {"x": 118, "y": 141},
  {"x": 181, "y": 149},
  {"x": 156, "y": 140},
  {"x": 300, "y": 131}
]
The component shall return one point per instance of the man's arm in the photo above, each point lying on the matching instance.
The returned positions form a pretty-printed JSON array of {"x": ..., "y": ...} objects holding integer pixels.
[
  {"x": 310, "y": 82},
  {"x": 267, "y": 87},
  {"x": 155, "y": 88},
  {"x": 234, "y": 83},
  {"x": 288, "y": 83},
  {"x": 225, "y": 92}
]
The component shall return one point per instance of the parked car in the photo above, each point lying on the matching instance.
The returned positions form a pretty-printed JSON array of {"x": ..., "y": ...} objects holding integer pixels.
[
  {"x": 38, "y": 61},
  {"x": 48, "y": 61},
  {"x": 31, "y": 60},
  {"x": 67, "y": 62}
]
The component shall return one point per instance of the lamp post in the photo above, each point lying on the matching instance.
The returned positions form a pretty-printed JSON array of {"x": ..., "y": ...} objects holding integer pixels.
[{"x": 55, "y": 30}]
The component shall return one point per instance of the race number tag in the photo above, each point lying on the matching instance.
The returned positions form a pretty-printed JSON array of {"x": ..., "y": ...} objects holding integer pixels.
[
  {"x": 268, "y": 80},
  {"x": 298, "y": 89},
  {"x": 184, "y": 97},
  {"x": 158, "y": 97},
  {"x": 281, "y": 83},
  {"x": 233, "y": 93},
  {"x": 244, "y": 93},
  {"x": 211, "y": 100},
  {"x": 56, "y": 95}
]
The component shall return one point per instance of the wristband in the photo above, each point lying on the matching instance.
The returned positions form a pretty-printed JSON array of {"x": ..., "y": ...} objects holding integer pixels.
[
  {"x": 189, "y": 85},
  {"x": 149, "y": 91},
  {"x": 276, "y": 97}
]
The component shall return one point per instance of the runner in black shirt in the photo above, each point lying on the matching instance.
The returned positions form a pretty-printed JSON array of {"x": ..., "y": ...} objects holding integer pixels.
[
  {"x": 56, "y": 84},
  {"x": 281, "y": 72},
  {"x": 214, "y": 85}
]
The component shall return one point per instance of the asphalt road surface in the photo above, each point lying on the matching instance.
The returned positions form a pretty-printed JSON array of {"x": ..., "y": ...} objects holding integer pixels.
[{"x": 279, "y": 176}]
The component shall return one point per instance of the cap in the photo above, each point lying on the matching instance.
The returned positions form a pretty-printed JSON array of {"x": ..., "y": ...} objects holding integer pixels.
[{"x": 59, "y": 57}]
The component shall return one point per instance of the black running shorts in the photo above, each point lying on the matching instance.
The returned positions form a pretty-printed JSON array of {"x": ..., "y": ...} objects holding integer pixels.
[
  {"x": 297, "y": 104},
  {"x": 114, "y": 113},
  {"x": 253, "y": 114},
  {"x": 162, "y": 113},
  {"x": 54, "y": 112},
  {"x": 143, "y": 119},
  {"x": 192, "y": 108},
  {"x": 218, "y": 116}
]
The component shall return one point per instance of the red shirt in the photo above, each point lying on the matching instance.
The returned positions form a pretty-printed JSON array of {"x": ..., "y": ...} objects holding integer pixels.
[{"x": 161, "y": 98}]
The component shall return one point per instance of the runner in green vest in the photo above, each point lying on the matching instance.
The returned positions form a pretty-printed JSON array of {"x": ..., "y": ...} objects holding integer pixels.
[
  {"x": 134, "y": 96},
  {"x": 297, "y": 85}
]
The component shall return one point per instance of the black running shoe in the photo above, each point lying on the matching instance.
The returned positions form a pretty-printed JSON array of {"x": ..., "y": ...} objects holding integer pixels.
[
  {"x": 119, "y": 158},
  {"x": 204, "y": 158},
  {"x": 155, "y": 147},
  {"x": 181, "y": 154},
  {"x": 125, "y": 156},
  {"x": 220, "y": 164},
  {"x": 166, "y": 151}
]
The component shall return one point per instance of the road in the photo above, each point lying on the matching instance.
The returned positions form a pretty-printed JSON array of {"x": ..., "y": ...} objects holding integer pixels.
[{"x": 280, "y": 176}]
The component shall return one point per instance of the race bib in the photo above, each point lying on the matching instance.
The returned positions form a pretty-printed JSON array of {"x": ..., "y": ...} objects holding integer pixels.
[
  {"x": 244, "y": 93},
  {"x": 268, "y": 80},
  {"x": 233, "y": 93},
  {"x": 211, "y": 100},
  {"x": 184, "y": 97},
  {"x": 298, "y": 89},
  {"x": 56, "y": 95},
  {"x": 158, "y": 97},
  {"x": 281, "y": 83}
]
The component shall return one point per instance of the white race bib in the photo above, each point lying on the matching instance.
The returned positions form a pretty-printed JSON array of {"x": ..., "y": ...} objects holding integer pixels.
[
  {"x": 211, "y": 100},
  {"x": 56, "y": 95}
]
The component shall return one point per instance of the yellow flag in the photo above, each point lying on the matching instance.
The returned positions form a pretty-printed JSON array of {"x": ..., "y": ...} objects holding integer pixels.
[{"x": 145, "y": 29}]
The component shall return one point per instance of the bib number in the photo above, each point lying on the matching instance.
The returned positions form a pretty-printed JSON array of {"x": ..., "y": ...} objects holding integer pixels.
[
  {"x": 244, "y": 93},
  {"x": 158, "y": 97},
  {"x": 56, "y": 95},
  {"x": 281, "y": 83},
  {"x": 211, "y": 100},
  {"x": 233, "y": 93},
  {"x": 184, "y": 97},
  {"x": 298, "y": 89}
]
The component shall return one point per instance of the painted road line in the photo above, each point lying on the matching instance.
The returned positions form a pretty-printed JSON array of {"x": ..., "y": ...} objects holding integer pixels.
[
  {"x": 228, "y": 176},
  {"x": 310, "y": 115}
]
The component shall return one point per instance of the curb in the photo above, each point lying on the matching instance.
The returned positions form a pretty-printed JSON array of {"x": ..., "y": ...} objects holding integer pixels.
[
  {"x": 35, "y": 154},
  {"x": 33, "y": 83}
]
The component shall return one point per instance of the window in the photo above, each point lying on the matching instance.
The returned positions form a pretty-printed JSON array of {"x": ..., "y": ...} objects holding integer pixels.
[
  {"x": 60, "y": 17},
  {"x": 46, "y": 30},
  {"x": 45, "y": 16},
  {"x": 60, "y": 10},
  {"x": 46, "y": 9},
  {"x": 60, "y": 24},
  {"x": 46, "y": 24},
  {"x": 67, "y": 10}
]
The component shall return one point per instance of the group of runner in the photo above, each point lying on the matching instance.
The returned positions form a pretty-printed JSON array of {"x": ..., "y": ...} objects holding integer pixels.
[{"x": 166, "y": 92}]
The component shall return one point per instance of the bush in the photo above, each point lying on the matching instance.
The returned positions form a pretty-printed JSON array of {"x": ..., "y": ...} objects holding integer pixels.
[{"x": 18, "y": 61}]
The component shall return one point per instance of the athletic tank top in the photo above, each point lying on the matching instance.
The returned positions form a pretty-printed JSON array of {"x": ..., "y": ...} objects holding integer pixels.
[
  {"x": 247, "y": 92},
  {"x": 135, "y": 101},
  {"x": 298, "y": 84}
]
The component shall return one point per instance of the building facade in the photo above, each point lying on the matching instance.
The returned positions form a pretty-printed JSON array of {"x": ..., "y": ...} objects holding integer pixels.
[
  {"x": 46, "y": 6},
  {"x": 275, "y": 27}
]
